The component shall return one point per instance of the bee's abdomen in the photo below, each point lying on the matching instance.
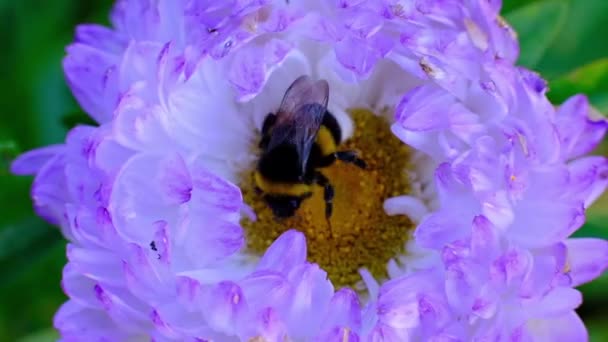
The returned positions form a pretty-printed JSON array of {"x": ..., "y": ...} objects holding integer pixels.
[{"x": 278, "y": 188}]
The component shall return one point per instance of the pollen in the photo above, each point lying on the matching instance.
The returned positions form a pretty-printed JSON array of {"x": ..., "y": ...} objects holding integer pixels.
[{"x": 360, "y": 234}]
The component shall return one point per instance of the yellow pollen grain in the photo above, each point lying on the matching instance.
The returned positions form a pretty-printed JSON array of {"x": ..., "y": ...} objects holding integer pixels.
[{"x": 361, "y": 234}]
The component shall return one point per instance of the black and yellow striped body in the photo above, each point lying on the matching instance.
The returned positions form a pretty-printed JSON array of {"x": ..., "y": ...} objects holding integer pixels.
[{"x": 279, "y": 175}]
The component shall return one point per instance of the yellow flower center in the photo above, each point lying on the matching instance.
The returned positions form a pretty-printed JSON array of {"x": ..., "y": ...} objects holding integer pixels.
[{"x": 361, "y": 234}]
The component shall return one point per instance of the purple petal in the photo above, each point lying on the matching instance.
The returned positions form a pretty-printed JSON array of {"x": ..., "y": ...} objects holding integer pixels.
[
  {"x": 224, "y": 307},
  {"x": 511, "y": 266},
  {"x": 453, "y": 220},
  {"x": 88, "y": 72},
  {"x": 49, "y": 191},
  {"x": 405, "y": 301},
  {"x": 588, "y": 178},
  {"x": 311, "y": 296},
  {"x": 122, "y": 307},
  {"x": 251, "y": 68},
  {"x": 137, "y": 202},
  {"x": 99, "y": 265},
  {"x": 587, "y": 259},
  {"x": 559, "y": 301},
  {"x": 344, "y": 311},
  {"x": 76, "y": 323},
  {"x": 287, "y": 252},
  {"x": 263, "y": 288},
  {"x": 356, "y": 56},
  {"x": 211, "y": 190},
  {"x": 546, "y": 271},
  {"x": 100, "y": 37},
  {"x": 32, "y": 161},
  {"x": 175, "y": 180},
  {"x": 484, "y": 239},
  {"x": 338, "y": 334},
  {"x": 565, "y": 328},
  {"x": 579, "y": 134},
  {"x": 552, "y": 222},
  {"x": 145, "y": 276},
  {"x": 212, "y": 242},
  {"x": 140, "y": 62},
  {"x": 266, "y": 325}
]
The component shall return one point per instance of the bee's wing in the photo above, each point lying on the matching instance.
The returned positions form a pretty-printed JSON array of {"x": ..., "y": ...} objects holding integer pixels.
[
  {"x": 300, "y": 115},
  {"x": 303, "y": 91}
]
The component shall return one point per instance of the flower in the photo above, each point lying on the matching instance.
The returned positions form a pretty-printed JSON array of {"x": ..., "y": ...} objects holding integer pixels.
[{"x": 164, "y": 241}]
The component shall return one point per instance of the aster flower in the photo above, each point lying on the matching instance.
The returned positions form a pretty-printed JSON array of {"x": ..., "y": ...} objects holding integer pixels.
[{"x": 458, "y": 231}]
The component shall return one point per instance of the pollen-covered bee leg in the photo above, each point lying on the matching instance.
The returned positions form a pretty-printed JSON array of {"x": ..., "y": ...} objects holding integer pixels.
[
  {"x": 351, "y": 157},
  {"x": 328, "y": 193}
]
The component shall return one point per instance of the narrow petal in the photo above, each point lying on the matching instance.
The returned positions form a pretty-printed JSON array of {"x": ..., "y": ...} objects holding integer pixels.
[
  {"x": 31, "y": 162},
  {"x": 311, "y": 297},
  {"x": 579, "y": 133},
  {"x": 410, "y": 206},
  {"x": 48, "y": 191},
  {"x": 344, "y": 311},
  {"x": 263, "y": 288},
  {"x": 89, "y": 73},
  {"x": 588, "y": 178},
  {"x": 76, "y": 322},
  {"x": 287, "y": 252},
  {"x": 100, "y": 37}
]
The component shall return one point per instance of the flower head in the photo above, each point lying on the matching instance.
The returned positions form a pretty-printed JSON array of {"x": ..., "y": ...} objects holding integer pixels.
[{"x": 459, "y": 230}]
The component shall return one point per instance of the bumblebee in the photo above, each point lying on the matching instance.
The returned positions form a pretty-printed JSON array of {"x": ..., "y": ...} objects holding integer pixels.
[{"x": 298, "y": 141}]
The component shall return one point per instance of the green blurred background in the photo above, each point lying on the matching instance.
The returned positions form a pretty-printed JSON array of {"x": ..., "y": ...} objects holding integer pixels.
[{"x": 562, "y": 39}]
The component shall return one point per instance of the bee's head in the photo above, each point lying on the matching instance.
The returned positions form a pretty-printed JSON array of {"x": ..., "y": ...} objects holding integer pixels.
[{"x": 284, "y": 206}]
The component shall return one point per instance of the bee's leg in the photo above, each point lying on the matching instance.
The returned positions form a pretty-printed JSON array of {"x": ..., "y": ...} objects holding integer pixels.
[
  {"x": 326, "y": 160},
  {"x": 328, "y": 193},
  {"x": 350, "y": 157}
]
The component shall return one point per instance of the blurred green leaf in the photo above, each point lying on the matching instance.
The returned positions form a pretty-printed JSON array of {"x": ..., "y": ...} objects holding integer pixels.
[
  {"x": 511, "y": 5},
  {"x": 42, "y": 336},
  {"x": 598, "y": 330},
  {"x": 591, "y": 79},
  {"x": 537, "y": 25},
  {"x": 581, "y": 40},
  {"x": 595, "y": 291},
  {"x": 15, "y": 238},
  {"x": 32, "y": 294},
  {"x": 25, "y": 243},
  {"x": 8, "y": 152},
  {"x": 34, "y": 99}
]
